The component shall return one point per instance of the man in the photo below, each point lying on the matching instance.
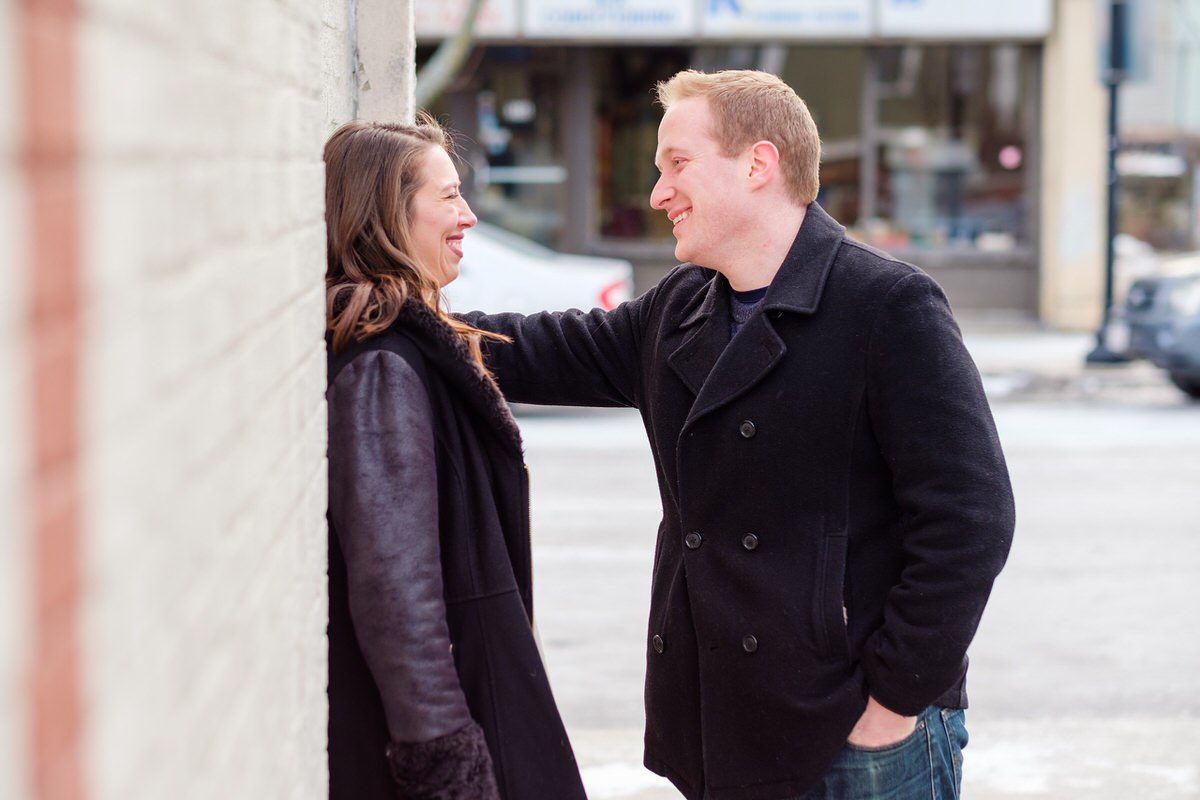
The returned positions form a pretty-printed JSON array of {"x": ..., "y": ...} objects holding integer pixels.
[{"x": 836, "y": 500}]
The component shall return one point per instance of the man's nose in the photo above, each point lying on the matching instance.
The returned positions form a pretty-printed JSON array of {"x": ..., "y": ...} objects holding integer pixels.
[{"x": 661, "y": 193}]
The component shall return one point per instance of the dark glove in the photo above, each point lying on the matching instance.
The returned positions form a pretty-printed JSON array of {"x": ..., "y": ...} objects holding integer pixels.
[{"x": 456, "y": 766}]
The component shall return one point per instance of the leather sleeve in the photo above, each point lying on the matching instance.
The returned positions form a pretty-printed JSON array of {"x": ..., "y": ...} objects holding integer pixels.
[{"x": 383, "y": 504}]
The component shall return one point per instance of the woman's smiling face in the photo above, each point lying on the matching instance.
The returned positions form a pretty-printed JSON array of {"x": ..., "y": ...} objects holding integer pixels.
[{"x": 440, "y": 214}]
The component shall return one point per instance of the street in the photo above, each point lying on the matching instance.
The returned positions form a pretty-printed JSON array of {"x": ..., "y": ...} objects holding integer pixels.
[{"x": 1085, "y": 677}]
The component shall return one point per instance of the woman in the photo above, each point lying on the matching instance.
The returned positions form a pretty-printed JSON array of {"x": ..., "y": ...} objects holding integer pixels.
[{"x": 436, "y": 688}]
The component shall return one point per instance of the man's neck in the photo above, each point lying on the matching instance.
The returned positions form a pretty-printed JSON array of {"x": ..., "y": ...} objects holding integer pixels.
[{"x": 756, "y": 264}]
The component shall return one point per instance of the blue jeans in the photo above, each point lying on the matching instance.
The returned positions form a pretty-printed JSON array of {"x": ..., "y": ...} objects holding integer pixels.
[{"x": 926, "y": 765}]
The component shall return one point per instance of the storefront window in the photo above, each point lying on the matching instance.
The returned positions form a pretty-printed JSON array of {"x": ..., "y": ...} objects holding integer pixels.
[
  {"x": 626, "y": 138},
  {"x": 505, "y": 112},
  {"x": 1158, "y": 193},
  {"x": 952, "y": 148},
  {"x": 519, "y": 176},
  {"x": 830, "y": 81},
  {"x": 924, "y": 146}
]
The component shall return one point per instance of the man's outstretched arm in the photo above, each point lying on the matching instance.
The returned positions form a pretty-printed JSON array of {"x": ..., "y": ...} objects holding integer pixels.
[{"x": 571, "y": 358}]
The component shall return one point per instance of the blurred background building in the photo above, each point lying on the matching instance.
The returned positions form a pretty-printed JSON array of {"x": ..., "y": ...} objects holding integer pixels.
[
  {"x": 968, "y": 138},
  {"x": 1159, "y": 162}
]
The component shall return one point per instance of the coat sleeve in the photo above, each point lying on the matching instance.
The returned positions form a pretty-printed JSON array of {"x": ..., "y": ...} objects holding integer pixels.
[
  {"x": 383, "y": 503},
  {"x": 930, "y": 415},
  {"x": 570, "y": 358}
]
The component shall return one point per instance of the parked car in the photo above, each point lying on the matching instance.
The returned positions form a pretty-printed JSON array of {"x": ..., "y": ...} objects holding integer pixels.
[
  {"x": 501, "y": 271},
  {"x": 1162, "y": 316}
]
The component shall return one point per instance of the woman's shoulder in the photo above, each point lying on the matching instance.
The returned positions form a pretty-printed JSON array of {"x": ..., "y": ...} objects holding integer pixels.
[
  {"x": 383, "y": 351},
  {"x": 386, "y": 365}
]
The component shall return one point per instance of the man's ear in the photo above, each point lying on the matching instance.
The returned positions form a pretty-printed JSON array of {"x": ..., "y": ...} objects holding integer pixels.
[{"x": 763, "y": 163}]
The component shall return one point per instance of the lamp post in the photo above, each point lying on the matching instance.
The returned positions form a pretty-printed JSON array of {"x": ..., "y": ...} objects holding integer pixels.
[{"x": 1114, "y": 73}]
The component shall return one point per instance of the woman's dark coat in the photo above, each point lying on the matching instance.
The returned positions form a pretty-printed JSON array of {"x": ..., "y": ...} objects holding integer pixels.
[
  {"x": 836, "y": 503},
  {"x": 482, "y": 519}
]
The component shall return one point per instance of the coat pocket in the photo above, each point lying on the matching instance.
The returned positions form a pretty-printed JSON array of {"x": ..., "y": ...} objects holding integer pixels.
[{"x": 830, "y": 619}]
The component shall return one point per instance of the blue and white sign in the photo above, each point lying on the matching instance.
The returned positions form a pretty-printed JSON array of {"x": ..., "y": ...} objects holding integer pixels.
[
  {"x": 609, "y": 19},
  {"x": 800, "y": 19},
  {"x": 949, "y": 19},
  {"x": 496, "y": 18}
]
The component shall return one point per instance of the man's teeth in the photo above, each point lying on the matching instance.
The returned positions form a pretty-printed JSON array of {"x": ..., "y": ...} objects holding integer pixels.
[{"x": 680, "y": 218}]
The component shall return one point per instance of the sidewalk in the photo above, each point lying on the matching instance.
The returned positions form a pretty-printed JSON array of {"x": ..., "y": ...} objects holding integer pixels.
[{"x": 1021, "y": 360}]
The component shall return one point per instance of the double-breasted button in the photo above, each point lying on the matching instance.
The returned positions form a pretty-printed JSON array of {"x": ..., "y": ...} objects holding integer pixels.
[
  {"x": 749, "y": 643},
  {"x": 693, "y": 540},
  {"x": 747, "y": 429},
  {"x": 657, "y": 643},
  {"x": 750, "y": 541}
]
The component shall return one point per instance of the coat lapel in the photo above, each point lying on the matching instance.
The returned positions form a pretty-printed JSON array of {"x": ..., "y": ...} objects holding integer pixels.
[
  {"x": 746, "y": 360},
  {"x": 707, "y": 333}
]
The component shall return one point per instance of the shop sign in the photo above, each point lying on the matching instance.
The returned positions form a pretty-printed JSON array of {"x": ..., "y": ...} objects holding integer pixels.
[
  {"x": 808, "y": 19},
  {"x": 610, "y": 19},
  {"x": 945, "y": 19},
  {"x": 496, "y": 19}
]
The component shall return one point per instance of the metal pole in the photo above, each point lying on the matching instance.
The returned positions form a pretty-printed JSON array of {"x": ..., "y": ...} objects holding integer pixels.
[{"x": 1115, "y": 73}]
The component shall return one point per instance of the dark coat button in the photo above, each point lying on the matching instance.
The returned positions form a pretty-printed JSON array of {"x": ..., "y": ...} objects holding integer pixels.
[
  {"x": 749, "y": 541},
  {"x": 657, "y": 641},
  {"x": 693, "y": 540},
  {"x": 749, "y": 643},
  {"x": 747, "y": 429}
]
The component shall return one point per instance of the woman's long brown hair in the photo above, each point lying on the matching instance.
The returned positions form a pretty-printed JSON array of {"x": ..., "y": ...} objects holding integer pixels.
[{"x": 372, "y": 173}]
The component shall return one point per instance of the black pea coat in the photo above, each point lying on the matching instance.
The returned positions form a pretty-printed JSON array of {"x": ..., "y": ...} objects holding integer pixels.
[
  {"x": 483, "y": 522},
  {"x": 836, "y": 501}
]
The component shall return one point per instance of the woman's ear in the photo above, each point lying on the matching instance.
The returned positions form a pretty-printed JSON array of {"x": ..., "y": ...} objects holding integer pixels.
[{"x": 763, "y": 163}]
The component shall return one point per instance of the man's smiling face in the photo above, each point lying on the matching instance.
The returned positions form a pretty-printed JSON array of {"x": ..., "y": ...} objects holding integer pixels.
[{"x": 700, "y": 189}]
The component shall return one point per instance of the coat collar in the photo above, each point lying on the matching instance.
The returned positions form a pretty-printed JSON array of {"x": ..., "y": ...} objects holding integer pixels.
[
  {"x": 447, "y": 355},
  {"x": 717, "y": 370},
  {"x": 800, "y": 281}
]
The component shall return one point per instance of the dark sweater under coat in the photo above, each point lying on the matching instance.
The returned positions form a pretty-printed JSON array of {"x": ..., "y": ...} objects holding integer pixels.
[
  {"x": 836, "y": 501},
  {"x": 482, "y": 521}
]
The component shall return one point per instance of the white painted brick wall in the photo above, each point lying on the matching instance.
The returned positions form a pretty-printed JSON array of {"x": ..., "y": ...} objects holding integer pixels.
[
  {"x": 15, "y": 555},
  {"x": 204, "y": 618}
]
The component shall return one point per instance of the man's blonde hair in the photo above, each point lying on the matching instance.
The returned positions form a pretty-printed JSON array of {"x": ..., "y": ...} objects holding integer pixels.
[{"x": 749, "y": 106}]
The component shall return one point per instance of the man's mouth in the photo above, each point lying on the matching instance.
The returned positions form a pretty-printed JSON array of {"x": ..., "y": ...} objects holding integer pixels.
[{"x": 680, "y": 218}]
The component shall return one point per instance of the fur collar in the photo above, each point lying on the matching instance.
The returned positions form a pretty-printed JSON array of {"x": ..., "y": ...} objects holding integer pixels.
[{"x": 450, "y": 358}]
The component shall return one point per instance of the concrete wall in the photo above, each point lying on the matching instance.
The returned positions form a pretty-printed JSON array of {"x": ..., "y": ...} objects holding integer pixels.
[
  {"x": 15, "y": 643},
  {"x": 1074, "y": 114}
]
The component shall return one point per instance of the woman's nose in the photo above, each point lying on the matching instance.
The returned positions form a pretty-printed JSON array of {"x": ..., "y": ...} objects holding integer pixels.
[{"x": 467, "y": 217}]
